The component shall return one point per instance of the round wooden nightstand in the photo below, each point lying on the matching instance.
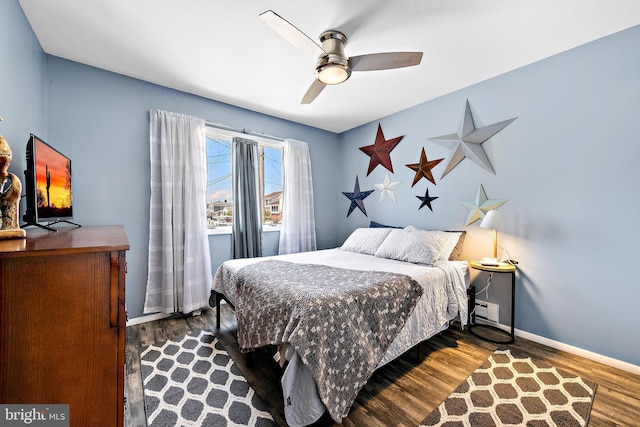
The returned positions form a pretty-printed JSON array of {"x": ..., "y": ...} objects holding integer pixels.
[{"x": 500, "y": 268}]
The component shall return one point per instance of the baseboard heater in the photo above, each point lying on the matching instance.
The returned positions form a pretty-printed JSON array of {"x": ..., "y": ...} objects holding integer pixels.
[{"x": 487, "y": 312}]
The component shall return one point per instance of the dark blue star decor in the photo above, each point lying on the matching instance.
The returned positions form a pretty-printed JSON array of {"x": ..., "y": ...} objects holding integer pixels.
[
  {"x": 426, "y": 201},
  {"x": 357, "y": 198}
]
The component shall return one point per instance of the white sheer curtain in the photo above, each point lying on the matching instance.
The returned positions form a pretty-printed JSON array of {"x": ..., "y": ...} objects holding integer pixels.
[
  {"x": 298, "y": 230},
  {"x": 179, "y": 275}
]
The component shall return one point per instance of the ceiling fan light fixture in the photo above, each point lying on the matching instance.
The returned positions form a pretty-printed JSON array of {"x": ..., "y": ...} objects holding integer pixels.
[
  {"x": 333, "y": 66},
  {"x": 332, "y": 74}
]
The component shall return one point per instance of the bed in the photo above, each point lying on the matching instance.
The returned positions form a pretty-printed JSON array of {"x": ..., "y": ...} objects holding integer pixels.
[{"x": 338, "y": 314}]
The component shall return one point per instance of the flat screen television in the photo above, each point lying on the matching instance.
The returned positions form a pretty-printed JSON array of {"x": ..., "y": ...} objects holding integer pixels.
[{"x": 47, "y": 185}]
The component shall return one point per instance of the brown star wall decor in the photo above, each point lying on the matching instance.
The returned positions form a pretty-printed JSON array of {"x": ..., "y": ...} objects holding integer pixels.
[
  {"x": 380, "y": 151},
  {"x": 423, "y": 169}
]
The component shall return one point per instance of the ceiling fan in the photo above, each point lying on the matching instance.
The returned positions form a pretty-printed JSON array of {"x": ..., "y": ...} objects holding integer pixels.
[{"x": 333, "y": 66}]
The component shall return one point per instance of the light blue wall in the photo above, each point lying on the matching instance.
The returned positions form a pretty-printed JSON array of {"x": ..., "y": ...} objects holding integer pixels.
[
  {"x": 22, "y": 83},
  {"x": 101, "y": 121},
  {"x": 569, "y": 168}
]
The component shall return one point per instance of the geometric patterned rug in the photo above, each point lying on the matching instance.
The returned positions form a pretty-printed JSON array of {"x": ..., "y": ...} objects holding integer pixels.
[
  {"x": 192, "y": 381},
  {"x": 511, "y": 389}
]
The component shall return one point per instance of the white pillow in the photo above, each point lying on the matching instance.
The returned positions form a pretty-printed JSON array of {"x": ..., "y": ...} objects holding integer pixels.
[
  {"x": 451, "y": 239},
  {"x": 447, "y": 239},
  {"x": 412, "y": 245},
  {"x": 365, "y": 240}
]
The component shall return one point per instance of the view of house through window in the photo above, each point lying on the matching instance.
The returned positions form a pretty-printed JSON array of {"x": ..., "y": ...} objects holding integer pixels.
[{"x": 219, "y": 195}]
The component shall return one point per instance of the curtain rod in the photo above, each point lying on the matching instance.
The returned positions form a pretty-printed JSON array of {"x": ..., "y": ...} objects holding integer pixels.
[{"x": 242, "y": 130}]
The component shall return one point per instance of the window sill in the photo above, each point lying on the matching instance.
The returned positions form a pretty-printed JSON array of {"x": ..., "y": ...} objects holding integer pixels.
[{"x": 222, "y": 230}]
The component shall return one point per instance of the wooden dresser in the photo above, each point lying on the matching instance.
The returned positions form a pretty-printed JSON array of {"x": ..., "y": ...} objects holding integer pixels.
[{"x": 63, "y": 321}]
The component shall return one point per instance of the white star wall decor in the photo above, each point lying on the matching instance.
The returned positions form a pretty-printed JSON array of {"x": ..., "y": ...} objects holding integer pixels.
[
  {"x": 468, "y": 142},
  {"x": 480, "y": 206},
  {"x": 387, "y": 188}
]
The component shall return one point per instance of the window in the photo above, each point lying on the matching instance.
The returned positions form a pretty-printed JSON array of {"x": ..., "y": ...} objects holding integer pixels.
[{"x": 219, "y": 195}]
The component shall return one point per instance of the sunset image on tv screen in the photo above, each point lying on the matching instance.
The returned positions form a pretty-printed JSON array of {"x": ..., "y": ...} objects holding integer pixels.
[{"x": 53, "y": 182}]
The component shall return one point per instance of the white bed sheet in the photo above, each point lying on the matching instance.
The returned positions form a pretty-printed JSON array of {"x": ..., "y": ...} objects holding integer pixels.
[{"x": 444, "y": 299}]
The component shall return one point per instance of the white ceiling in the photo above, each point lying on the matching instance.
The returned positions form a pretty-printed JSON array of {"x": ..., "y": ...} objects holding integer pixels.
[{"x": 221, "y": 50}]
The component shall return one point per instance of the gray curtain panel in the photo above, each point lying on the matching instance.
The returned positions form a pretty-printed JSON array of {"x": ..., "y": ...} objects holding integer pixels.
[{"x": 247, "y": 222}]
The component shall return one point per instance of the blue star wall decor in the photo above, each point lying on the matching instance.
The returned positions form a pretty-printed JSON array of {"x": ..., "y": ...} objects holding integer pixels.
[
  {"x": 357, "y": 198},
  {"x": 468, "y": 142},
  {"x": 479, "y": 207},
  {"x": 426, "y": 200}
]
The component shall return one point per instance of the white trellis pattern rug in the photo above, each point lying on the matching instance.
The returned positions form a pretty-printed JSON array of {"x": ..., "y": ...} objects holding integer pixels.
[
  {"x": 516, "y": 390},
  {"x": 192, "y": 381}
]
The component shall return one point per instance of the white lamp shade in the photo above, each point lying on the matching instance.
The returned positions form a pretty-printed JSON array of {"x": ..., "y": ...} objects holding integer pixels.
[{"x": 491, "y": 220}]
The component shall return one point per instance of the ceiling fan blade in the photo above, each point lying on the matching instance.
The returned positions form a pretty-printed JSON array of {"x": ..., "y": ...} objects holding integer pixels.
[
  {"x": 291, "y": 33},
  {"x": 384, "y": 61},
  {"x": 313, "y": 91}
]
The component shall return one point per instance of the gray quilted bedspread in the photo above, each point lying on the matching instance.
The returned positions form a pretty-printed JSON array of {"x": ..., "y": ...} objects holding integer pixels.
[{"x": 339, "y": 321}]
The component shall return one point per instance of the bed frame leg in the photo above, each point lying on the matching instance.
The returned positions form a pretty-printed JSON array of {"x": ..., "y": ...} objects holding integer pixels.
[
  {"x": 218, "y": 298},
  {"x": 420, "y": 351},
  {"x": 214, "y": 301}
]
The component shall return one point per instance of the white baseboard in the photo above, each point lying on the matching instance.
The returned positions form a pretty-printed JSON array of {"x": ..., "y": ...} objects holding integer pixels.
[
  {"x": 147, "y": 318},
  {"x": 619, "y": 364},
  {"x": 606, "y": 360},
  {"x": 158, "y": 316}
]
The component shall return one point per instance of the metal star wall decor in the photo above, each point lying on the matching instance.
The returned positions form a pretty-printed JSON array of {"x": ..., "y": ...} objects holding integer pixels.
[
  {"x": 468, "y": 142},
  {"x": 380, "y": 151},
  {"x": 426, "y": 201},
  {"x": 423, "y": 169},
  {"x": 479, "y": 207},
  {"x": 387, "y": 188},
  {"x": 357, "y": 198}
]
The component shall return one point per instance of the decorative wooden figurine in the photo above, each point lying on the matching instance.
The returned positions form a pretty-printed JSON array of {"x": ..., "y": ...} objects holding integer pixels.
[{"x": 10, "y": 191}]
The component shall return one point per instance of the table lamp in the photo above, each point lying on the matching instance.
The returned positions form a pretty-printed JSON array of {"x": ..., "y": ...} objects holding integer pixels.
[{"x": 491, "y": 221}]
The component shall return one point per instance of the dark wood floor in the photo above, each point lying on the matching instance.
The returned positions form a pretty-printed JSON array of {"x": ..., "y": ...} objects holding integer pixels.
[{"x": 401, "y": 393}]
